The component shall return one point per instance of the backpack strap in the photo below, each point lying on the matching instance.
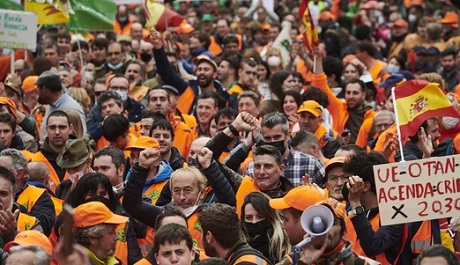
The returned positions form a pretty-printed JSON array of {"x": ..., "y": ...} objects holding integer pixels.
[{"x": 260, "y": 258}]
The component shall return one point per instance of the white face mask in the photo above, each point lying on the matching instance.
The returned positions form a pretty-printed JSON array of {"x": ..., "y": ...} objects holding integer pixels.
[
  {"x": 412, "y": 18},
  {"x": 393, "y": 68},
  {"x": 274, "y": 61},
  {"x": 89, "y": 75},
  {"x": 118, "y": 188},
  {"x": 449, "y": 122},
  {"x": 190, "y": 210},
  {"x": 123, "y": 94},
  {"x": 76, "y": 176}
]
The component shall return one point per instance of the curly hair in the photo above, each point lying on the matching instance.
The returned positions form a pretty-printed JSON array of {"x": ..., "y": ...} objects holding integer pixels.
[{"x": 362, "y": 164}]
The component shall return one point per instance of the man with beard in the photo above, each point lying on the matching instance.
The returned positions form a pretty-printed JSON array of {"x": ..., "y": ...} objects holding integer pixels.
[
  {"x": 51, "y": 92},
  {"x": 135, "y": 72},
  {"x": 117, "y": 59},
  {"x": 205, "y": 72},
  {"x": 58, "y": 131},
  {"x": 398, "y": 34},
  {"x": 226, "y": 73},
  {"x": 222, "y": 237},
  {"x": 247, "y": 77},
  {"x": 351, "y": 114},
  {"x": 449, "y": 72},
  {"x": 160, "y": 102}
]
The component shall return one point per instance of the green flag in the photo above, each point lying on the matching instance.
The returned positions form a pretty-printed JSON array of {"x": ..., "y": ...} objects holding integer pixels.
[
  {"x": 91, "y": 15},
  {"x": 7, "y": 4}
]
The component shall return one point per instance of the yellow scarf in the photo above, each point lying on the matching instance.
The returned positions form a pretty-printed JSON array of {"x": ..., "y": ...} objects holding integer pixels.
[{"x": 109, "y": 261}]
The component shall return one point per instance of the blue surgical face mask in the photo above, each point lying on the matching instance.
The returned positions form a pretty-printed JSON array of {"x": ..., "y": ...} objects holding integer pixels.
[
  {"x": 123, "y": 94},
  {"x": 393, "y": 68}
]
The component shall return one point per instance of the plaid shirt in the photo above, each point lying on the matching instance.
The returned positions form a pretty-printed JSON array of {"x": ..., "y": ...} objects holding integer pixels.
[{"x": 297, "y": 165}]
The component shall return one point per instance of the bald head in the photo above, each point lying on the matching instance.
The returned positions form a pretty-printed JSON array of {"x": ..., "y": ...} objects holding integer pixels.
[
  {"x": 38, "y": 172},
  {"x": 136, "y": 31},
  {"x": 197, "y": 145}
]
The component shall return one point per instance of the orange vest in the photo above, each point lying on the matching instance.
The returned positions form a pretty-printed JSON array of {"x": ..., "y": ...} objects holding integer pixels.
[
  {"x": 125, "y": 30},
  {"x": 25, "y": 222},
  {"x": 185, "y": 101},
  {"x": 375, "y": 223},
  {"x": 215, "y": 47},
  {"x": 138, "y": 92},
  {"x": 251, "y": 259},
  {"x": 194, "y": 228},
  {"x": 320, "y": 132},
  {"x": 54, "y": 178},
  {"x": 183, "y": 138},
  {"x": 153, "y": 192},
  {"x": 29, "y": 197},
  {"x": 143, "y": 261},
  {"x": 121, "y": 249},
  {"x": 189, "y": 120},
  {"x": 422, "y": 239},
  {"x": 235, "y": 89},
  {"x": 247, "y": 186}
]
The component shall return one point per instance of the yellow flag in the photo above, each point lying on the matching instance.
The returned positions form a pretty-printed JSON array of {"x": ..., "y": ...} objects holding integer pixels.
[{"x": 47, "y": 13}]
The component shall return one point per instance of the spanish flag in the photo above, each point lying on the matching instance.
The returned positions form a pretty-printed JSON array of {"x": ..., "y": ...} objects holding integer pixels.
[
  {"x": 417, "y": 101},
  {"x": 310, "y": 36},
  {"x": 161, "y": 17},
  {"x": 47, "y": 14}
]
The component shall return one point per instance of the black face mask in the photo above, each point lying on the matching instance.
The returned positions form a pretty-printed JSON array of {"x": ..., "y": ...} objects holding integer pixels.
[
  {"x": 145, "y": 57},
  {"x": 280, "y": 145},
  {"x": 258, "y": 229}
]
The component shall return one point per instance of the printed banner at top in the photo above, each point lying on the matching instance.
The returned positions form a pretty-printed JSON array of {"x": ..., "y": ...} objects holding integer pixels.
[
  {"x": 18, "y": 30},
  {"x": 418, "y": 190}
]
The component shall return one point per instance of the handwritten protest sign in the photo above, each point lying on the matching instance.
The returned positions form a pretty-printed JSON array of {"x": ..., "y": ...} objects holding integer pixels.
[
  {"x": 18, "y": 30},
  {"x": 418, "y": 190}
]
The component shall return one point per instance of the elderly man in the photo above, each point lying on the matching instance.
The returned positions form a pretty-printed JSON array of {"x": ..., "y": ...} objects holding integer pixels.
[{"x": 95, "y": 229}]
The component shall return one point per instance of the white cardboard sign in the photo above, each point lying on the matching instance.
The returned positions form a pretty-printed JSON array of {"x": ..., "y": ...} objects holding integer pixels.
[
  {"x": 418, "y": 190},
  {"x": 18, "y": 30}
]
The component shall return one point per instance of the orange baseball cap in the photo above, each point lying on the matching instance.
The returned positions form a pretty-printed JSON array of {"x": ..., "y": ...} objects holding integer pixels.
[
  {"x": 311, "y": 106},
  {"x": 10, "y": 104},
  {"x": 29, "y": 238},
  {"x": 28, "y": 85},
  {"x": 185, "y": 28},
  {"x": 335, "y": 161},
  {"x": 401, "y": 23},
  {"x": 95, "y": 213},
  {"x": 299, "y": 198},
  {"x": 144, "y": 142},
  {"x": 348, "y": 58},
  {"x": 450, "y": 18}
]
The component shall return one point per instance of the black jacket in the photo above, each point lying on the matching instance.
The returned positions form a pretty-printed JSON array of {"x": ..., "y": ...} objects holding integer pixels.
[{"x": 411, "y": 152}]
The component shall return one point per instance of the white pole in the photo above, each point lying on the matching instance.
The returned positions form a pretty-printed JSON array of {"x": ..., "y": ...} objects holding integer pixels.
[
  {"x": 80, "y": 54},
  {"x": 397, "y": 125}
]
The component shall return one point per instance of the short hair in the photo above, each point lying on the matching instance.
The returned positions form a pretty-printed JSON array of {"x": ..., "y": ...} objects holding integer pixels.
[
  {"x": 433, "y": 78},
  {"x": 114, "y": 126},
  {"x": 414, "y": 138},
  {"x": 209, "y": 94},
  {"x": 333, "y": 66},
  {"x": 316, "y": 94},
  {"x": 359, "y": 82},
  {"x": 167, "y": 212},
  {"x": 271, "y": 151},
  {"x": 202, "y": 38},
  {"x": 163, "y": 125},
  {"x": 362, "y": 165},
  {"x": 19, "y": 161},
  {"x": 118, "y": 157},
  {"x": 230, "y": 38},
  {"x": 158, "y": 88},
  {"x": 90, "y": 183},
  {"x": 58, "y": 113},
  {"x": 449, "y": 51},
  {"x": 41, "y": 64},
  {"x": 249, "y": 61},
  {"x": 225, "y": 112},
  {"x": 100, "y": 43},
  {"x": 53, "y": 46},
  {"x": 7, "y": 118},
  {"x": 385, "y": 112},
  {"x": 117, "y": 76},
  {"x": 108, "y": 95},
  {"x": 154, "y": 115},
  {"x": 38, "y": 171},
  {"x": 9, "y": 176},
  {"x": 273, "y": 119},
  {"x": 356, "y": 149},
  {"x": 223, "y": 222},
  {"x": 232, "y": 63},
  {"x": 63, "y": 34},
  {"x": 249, "y": 94},
  {"x": 82, "y": 235},
  {"x": 213, "y": 261},
  {"x": 438, "y": 251},
  {"x": 83, "y": 45},
  {"x": 194, "y": 172},
  {"x": 367, "y": 47},
  {"x": 40, "y": 255},
  {"x": 172, "y": 234},
  {"x": 140, "y": 63},
  {"x": 304, "y": 137}
]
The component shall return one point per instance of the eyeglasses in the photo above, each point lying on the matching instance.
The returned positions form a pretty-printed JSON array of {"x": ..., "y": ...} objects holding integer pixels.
[
  {"x": 118, "y": 88},
  {"x": 335, "y": 178}
]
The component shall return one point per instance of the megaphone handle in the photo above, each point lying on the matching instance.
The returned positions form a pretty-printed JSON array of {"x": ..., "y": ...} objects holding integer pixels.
[{"x": 303, "y": 243}]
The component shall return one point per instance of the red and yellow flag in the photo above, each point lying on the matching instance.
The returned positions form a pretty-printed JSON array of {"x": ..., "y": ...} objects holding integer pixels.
[
  {"x": 47, "y": 14},
  {"x": 310, "y": 36},
  {"x": 419, "y": 100},
  {"x": 161, "y": 17}
]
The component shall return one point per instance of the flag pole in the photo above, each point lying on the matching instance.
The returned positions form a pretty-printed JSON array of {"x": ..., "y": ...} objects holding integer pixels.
[
  {"x": 397, "y": 124},
  {"x": 80, "y": 54}
]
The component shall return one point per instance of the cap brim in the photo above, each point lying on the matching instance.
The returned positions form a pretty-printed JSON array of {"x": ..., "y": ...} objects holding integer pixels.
[
  {"x": 136, "y": 147},
  {"x": 9, "y": 245},
  {"x": 279, "y": 204},
  {"x": 117, "y": 219}
]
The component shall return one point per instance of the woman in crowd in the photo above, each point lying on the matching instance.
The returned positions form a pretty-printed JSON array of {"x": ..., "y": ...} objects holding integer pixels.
[
  {"x": 291, "y": 102},
  {"x": 262, "y": 226}
]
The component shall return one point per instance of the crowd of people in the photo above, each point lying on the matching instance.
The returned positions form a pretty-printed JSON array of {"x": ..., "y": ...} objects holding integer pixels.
[{"x": 205, "y": 142}]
